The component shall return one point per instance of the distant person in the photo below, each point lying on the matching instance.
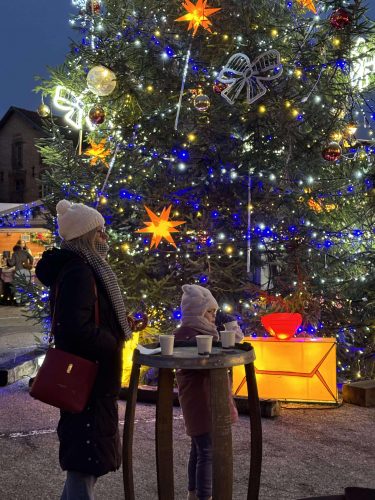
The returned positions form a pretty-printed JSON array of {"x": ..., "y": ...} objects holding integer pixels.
[
  {"x": 198, "y": 308},
  {"x": 6, "y": 279},
  {"x": 80, "y": 279},
  {"x": 24, "y": 246},
  {"x": 21, "y": 260}
]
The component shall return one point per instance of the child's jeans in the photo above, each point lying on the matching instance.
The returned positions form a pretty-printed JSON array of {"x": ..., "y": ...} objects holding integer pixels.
[
  {"x": 78, "y": 486},
  {"x": 200, "y": 466}
]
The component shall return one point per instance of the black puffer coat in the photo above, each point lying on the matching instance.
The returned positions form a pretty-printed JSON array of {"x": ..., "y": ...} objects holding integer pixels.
[{"x": 89, "y": 441}]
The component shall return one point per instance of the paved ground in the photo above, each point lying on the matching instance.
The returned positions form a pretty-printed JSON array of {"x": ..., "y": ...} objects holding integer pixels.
[
  {"x": 307, "y": 451},
  {"x": 17, "y": 335}
]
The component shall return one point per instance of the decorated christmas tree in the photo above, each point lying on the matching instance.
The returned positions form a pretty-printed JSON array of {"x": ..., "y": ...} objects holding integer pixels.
[{"x": 227, "y": 143}]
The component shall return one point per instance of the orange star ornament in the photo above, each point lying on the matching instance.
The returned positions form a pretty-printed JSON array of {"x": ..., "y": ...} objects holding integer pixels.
[
  {"x": 309, "y": 4},
  {"x": 161, "y": 227},
  {"x": 98, "y": 152},
  {"x": 198, "y": 15}
]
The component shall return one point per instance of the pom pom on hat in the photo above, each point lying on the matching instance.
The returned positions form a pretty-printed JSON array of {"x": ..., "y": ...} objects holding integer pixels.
[
  {"x": 76, "y": 219},
  {"x": 196, "y": 300}
]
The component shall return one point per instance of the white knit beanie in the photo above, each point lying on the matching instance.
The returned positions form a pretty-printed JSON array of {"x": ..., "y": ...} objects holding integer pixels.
[
  {"x": 76, "y": 219},
  {"x": 196, "y": 300}
]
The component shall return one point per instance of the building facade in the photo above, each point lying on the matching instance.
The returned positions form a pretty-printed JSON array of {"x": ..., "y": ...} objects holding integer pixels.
[{"x": 20, "y": 162}]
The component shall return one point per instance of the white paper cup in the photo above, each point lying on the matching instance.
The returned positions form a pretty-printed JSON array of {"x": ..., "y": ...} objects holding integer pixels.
[
  {"x": 228, "y": 338},
  {"x": 166, "y": 344},
  {"x": 231, "y": 325},
  {"x": 204, "y": 344}
]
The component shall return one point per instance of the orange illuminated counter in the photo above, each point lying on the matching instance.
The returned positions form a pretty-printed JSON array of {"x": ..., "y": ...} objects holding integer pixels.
[{"x": 298, "y": 369}]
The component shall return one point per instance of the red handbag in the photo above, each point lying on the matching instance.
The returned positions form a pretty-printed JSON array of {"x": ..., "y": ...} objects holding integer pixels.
[{"x": 65, "y": 380}]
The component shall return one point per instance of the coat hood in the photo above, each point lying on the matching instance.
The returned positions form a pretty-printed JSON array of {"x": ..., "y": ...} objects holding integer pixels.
[{"x": 51, "y": 263}]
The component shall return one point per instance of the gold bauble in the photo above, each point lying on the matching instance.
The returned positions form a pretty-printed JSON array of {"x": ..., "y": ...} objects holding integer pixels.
[{"x": 44, "y": 111}]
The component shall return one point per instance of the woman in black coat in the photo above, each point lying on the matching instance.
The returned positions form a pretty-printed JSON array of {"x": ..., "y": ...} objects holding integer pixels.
[{"x": 83, "y": 286}]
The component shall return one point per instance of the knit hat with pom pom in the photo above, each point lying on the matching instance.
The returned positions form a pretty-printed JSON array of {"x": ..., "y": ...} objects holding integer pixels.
[
  {"x": 196, "y": 300},
  {"x": 76, "y": 219}
]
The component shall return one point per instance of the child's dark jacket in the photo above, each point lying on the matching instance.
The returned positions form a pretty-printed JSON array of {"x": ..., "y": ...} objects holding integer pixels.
[{"x": 194, "y": 393}]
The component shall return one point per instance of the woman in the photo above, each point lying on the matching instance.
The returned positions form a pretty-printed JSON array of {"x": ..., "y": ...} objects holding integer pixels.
[
  {"x": 83, "y": 287},
  {"x": 22, "y": 261}
]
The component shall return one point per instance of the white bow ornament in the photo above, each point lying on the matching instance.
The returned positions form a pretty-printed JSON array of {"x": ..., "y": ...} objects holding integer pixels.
[{"x": 239, "y": 71}]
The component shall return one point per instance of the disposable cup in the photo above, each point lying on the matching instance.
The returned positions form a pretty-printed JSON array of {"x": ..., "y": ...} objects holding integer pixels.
[
  {"x": 231, "y": 325},
  {"x": 228, "y": 338},
  {"x": 166, "y": 344},
  {"x": 204, "y": 344}
]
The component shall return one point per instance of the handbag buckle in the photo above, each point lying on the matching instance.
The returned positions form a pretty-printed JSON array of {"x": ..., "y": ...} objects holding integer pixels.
[{"x": 69, "y": 368}]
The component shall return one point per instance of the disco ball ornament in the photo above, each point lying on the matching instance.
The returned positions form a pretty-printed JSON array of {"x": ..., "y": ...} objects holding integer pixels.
[
  {"x": 43, "y": 110},
  {"x": 202, "y": 102},
  {"x": 218, "y": 87},
  {"x": 340, "y": 19},
  {"x": 101, "y": 81},
  {"x": 332, "y": 151},
  {"x": 97, "y": 115}
]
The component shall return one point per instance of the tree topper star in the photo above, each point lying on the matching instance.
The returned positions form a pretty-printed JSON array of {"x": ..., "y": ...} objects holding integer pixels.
[
  {"x": 161, "y": 227},
  {"x": 198, "y": 15},
  {"x": 98, "y": 152}
]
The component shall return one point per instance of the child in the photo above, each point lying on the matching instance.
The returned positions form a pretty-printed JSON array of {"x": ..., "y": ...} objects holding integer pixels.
[{"x": 198, "y": 308}]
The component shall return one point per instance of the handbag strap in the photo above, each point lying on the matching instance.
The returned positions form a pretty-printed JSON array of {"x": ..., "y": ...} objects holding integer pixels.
[{"x": 97, "y": 318}]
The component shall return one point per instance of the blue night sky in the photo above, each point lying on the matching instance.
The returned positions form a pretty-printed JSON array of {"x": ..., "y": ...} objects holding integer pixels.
[{"x": 35, "y": 34}]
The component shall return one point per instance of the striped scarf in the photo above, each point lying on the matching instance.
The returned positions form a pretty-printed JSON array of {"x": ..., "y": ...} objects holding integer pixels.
[{"x": 107, "y": 278}]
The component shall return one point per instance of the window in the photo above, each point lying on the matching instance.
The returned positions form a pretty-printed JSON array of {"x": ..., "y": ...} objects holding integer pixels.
[
  {"x": 44, "y": 190},
  {"x": 1, "y": 176},
  {"x": 17, "y": 155}
]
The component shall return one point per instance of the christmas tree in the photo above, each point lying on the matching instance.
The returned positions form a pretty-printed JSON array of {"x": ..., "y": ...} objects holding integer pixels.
[{"x": 219, "y": 140}]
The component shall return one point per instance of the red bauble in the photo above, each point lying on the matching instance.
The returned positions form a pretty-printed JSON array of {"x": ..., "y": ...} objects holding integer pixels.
[
  {"x": 94, "y": 7},
  {"x": 97, "y": 115},
  {"x": 340, "y": 19},
  {"x": 218, "y": 87},
  {"x": 332, "y": 151}
]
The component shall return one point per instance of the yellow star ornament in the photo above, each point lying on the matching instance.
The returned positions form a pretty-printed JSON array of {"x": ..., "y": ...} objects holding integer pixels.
[
  {"x": 308, "y": 4},
  {"x": 198, "y": 15},
  {"x": 161, "y": 227},
  {"x": 98, "y": 152}
]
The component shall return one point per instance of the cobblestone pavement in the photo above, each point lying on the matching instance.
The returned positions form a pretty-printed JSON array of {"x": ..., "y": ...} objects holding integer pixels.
[{"x": 308, "y": 450}]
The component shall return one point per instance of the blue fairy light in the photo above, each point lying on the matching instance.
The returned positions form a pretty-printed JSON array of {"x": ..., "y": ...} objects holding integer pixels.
[
  {"x": 169, "y": 51},
  {"x": 124, "y": 193},
  {"x": 177, "y": 314},
  {"x": 182, "y": 154},
  {"x": 357, "y": 233}
]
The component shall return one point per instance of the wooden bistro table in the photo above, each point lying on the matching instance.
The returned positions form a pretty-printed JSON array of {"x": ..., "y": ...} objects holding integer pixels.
[{"x": 218, "y": 362}]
